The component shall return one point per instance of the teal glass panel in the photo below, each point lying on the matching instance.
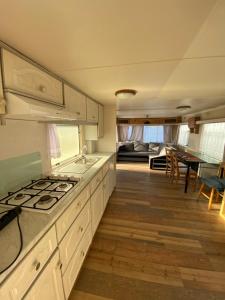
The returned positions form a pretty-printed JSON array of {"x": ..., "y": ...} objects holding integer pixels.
[{"x": 18, "y": 171}]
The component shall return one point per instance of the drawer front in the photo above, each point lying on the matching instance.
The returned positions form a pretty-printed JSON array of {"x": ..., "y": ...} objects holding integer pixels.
[
  {"x": 76, "y": 262},
  {"x": 95, "y": 181},
  {"x": 71, "y": 240},
  {"x": 23, "y": 276},
  {"x": 68, "y": 217},
  {"x": 75, "y": 102},
  {"x": 105, "y": 169},
  {"x": 92, "y": 110},
  {"x": 19, "y": 75}
]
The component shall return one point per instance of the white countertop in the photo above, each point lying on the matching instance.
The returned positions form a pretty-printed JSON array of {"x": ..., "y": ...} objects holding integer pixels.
[{"x": 35, "y": 224}]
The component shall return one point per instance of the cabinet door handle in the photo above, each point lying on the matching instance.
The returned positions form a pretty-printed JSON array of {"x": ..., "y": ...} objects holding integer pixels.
[
  {"x": 82, "y": 253},
  {"x": 59, "y": 264},
  {"x": 37, "y": 265},
  {"x": 78, "y": 113},
  {"x": 81, "y": 229},
  {"x": 42, "y": 88},
  {"x": 78, "y": 204}
]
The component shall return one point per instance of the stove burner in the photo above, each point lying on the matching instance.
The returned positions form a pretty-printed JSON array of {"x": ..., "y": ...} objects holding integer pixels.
[
  {"x": 40, "y": 183},
  {"x": 45, "y": 199},
  {"x": 19, "y": 196},
  {"x": 62, "y": 185}
]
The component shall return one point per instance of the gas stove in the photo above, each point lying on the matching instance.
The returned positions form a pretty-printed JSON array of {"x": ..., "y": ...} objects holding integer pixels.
[{"x": 42, "y": 194}]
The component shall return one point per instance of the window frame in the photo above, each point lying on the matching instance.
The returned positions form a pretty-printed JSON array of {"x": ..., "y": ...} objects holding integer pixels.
[{"x": 69, "y": 159}]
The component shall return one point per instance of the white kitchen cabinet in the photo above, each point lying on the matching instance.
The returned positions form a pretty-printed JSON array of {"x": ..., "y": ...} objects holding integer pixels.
[
  {"x": 100, "y": 120},
  {"x": 106, "y": 189},
  {"x": 92, "y": 110},
  {"x": 22, "y": 76},
  {"x": 67, "y": 218},
  {"x": 24, "y": 275},
  {"x": 2, "y": 101},
  {"x": 95, "y": 181},
  {"x": 112, "y": 174},
  {"x": 49, "y": 285},
  {"x": 72, "y": 238},
  {"x": 96, "y": 207},
  {"x": 75, "y": 102},
  {"x": 76, "y": 262}
]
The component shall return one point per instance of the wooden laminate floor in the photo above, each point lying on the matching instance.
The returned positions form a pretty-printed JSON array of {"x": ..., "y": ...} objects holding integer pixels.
[{"x": 154, "y": 242}]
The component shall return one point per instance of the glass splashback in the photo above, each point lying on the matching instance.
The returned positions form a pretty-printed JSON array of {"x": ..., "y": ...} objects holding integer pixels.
[{"x": 17, "y": 171}]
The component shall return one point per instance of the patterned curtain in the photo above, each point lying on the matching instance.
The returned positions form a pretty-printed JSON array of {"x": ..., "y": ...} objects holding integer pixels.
[{"x": 54, "y": 145}]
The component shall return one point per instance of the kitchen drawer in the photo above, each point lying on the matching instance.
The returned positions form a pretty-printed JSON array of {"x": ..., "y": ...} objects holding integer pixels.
[
  {"x": 76, "y": 262},
  {"x": 71, "y": 240},
  {"x": 75, "y": 102},
  {"x": 70, "y": 214},
  {"x": 22, "y": 277},
  {"x": 22, "y": 76},
  {"x": 95, "y": 181},
  {"x": 105, "y": 169},
  {"x": 92, "y": 110}
]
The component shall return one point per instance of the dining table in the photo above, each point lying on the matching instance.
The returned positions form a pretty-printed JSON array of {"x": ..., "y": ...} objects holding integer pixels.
[{"x": 193, "y": 160}]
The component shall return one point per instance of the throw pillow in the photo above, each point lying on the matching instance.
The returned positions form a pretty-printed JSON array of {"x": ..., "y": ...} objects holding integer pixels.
[{"x": 140, "y": 147}]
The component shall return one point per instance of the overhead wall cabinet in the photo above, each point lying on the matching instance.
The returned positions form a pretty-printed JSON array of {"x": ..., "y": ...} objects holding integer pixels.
[
  {"x": 23, "y": 77},
  {"x": 92, "y": 110},
  {"x": 100, "y": 120},
  {"x": 75, "y": 102}
]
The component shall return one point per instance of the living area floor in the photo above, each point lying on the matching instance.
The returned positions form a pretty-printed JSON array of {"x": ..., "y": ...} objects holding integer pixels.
[{"x": 154, "y": 242}]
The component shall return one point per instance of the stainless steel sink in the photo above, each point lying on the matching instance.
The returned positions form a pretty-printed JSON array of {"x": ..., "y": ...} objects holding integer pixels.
[{"x": 80, "y": 166}]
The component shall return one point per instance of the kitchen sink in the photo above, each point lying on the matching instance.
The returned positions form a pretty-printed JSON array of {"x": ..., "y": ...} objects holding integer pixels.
[{"x": 80, "y": 166}]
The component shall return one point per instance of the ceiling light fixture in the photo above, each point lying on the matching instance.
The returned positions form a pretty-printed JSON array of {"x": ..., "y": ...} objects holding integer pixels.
[
  {"x": 125, "y": 93},
  {"x": 183, "y": 107}
]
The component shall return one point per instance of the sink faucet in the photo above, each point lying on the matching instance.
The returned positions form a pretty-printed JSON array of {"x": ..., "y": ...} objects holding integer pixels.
[{"x": 84, "y": 153}]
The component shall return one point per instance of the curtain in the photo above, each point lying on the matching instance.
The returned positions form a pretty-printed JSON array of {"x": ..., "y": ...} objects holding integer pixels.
[
  {"x": 123, "y": 132},
  {"x": 170, "y": 134},
  {"x": 137, "y": 133},
  {"x": 54, "y": 145}
]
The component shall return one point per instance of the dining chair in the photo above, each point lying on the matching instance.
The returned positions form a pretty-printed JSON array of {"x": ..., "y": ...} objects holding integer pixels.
[
  {"x": 214, "y": 185},
  {"x": 168, "y": 161},
  {"x": 179, "y": 171}
]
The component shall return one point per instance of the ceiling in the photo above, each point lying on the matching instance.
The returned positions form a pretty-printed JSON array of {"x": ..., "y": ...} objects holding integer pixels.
[{"x": 172, "y": 52}]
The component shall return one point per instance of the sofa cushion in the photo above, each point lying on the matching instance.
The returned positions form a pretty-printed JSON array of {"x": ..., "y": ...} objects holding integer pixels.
[
  {"x": 140, "y": 147},
  {"x": 134, "y": 154},
  {"x": 126, "y": 147}
]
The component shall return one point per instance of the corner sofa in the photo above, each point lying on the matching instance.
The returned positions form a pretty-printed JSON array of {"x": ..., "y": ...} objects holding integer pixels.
[{"x": 139, "y": 151}]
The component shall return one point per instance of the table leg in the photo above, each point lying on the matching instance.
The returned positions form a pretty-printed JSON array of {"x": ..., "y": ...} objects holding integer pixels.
[{"x": 186, "y": 179}]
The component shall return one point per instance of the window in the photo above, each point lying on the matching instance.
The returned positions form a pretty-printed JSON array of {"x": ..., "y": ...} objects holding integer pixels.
[
  {"x": 64, "y": 142},
  {"x": 213, "y": 140},
  {"x": 153, "y": 134},
  {"x": 183, "y": 136}
]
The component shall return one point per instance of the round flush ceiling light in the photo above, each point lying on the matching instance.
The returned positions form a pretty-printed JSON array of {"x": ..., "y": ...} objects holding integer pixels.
[
  {"x": 183, "y": 107},
  {"x": 125, "y": 93}
]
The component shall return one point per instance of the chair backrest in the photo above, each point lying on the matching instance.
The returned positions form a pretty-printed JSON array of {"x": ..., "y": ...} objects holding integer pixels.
[
  {"x": 221, "y": 170},
  {"x": 168, "y": 154},
  {"x": 175, "y": 163}
]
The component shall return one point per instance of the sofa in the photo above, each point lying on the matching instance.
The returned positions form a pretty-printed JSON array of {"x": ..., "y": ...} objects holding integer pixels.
[{"x": 138, "y": 151}]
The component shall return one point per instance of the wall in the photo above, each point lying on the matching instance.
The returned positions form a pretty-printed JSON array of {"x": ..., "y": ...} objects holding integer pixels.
[
  {"x": 24, "y": 137},
  {"x": 108, "y": 142}
]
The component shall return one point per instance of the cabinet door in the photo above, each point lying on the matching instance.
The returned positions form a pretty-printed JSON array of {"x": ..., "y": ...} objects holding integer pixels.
[
  {"x": 49, "y": 284},
  {"x": 73, "y": 237},
  {"x": 75, "y": 102},
  {"x": 112, "y": 174},
  {"x": 106, "y": 189},
  {"x": 76, "y": 262},
  {"x": 92, "y": 110},
  {"x": 96, "y": 207},
  {"x": 22, "y": 76},
  {"x": 100, "y": 120}
]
